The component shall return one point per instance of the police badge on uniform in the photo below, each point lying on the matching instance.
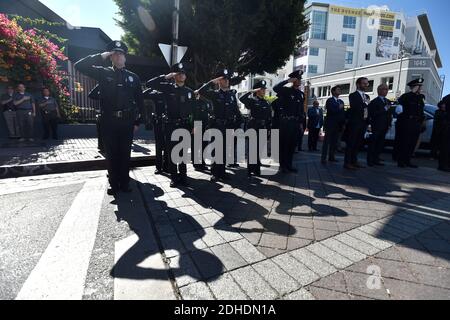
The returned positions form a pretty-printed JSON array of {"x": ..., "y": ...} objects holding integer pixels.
[
  {"x": 131, "y": 79},
  {"x": 189, "y": 96}
]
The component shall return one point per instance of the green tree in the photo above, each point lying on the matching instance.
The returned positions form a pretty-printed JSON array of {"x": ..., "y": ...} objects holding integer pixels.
[{"x": 251, "y": 36}]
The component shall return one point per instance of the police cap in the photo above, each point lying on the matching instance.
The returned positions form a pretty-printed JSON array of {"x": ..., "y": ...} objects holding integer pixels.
[
  {"x": 296, "y": 75},
  {"x": 416, "y": 82},
  {"x": 178, "y": 68},
  {"x": 117, "y": 46},
  {"x": 260, "y": 85}
]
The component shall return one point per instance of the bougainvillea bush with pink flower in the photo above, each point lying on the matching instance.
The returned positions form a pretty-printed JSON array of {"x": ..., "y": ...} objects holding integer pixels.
[{"x": 27, "y": 56}]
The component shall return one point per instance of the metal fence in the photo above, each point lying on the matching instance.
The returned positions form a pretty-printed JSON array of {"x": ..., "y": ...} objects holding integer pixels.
[{"x": 82, "y": 108}]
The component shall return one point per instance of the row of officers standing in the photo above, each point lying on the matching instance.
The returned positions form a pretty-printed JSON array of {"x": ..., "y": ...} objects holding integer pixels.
[{"x": 177, "y": 107}]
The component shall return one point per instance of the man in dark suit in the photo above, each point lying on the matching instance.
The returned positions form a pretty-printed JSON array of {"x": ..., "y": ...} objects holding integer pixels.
[
  {"x": 356, "y": 117},
  {"x": 380, "y": 120},
  {"x": 333, "y": 125},
  {"x": 315, "y": 124}
]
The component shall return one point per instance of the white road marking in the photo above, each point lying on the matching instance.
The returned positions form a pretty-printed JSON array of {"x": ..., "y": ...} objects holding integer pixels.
[{"x": 61, "y": 272}]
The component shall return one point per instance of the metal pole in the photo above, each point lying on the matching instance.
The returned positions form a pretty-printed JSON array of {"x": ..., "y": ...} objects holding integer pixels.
[
  {"x": 443, "y": 85},
  {"x": 175, "y": 31},
  {"x": 400, "y": 72}
]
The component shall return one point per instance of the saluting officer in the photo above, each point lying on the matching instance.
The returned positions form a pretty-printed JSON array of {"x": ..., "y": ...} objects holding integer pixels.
[
  {"x": 444, "y": 141},
  {"x": 121, "y": 102},
  {"x": 180, "y": 104},
  {"x": 288, "y": 111},
  {"x": 409, "y": 121},
  {"x": 95, "y": 95},
  {"x": 225, "y": 113},
  {"x": 158, "y": 117},
  {"x": 260, "y": 116},
  {"x": 202, "y": 112}
]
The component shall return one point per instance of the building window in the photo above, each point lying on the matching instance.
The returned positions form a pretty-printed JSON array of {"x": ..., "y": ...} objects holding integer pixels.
[
  {"x": 349, "y": 22},
  {"x": 319, "y": 25},
  {"x": 398, "y": 24},
  {"x": 314, "y": 52},
  {"x": 349, "y": 57},
  {"x": 301, "y": 52},
  {"x": 371, "y": 84},
  {"x": 389, "y": 81},
  {"x": 348, "y": 39},
  {"x": 345, "y": 88},
  {"x": 369, "y": 39},
  {"x": 324, "y": 91},
  {"x": 396, "y": 41},
  {"x": 367, "y": 56},
  {"x": 312, "y": 68}
]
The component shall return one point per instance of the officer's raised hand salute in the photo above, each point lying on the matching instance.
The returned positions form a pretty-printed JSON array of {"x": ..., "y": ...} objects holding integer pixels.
[
  {"x": 260, "y": 116},
  {"x": 225, "y": 113},
  {"x": 121, "y": 103},
  {"x": 180, "y": 102},
  {"x": 288, "y": 112}
]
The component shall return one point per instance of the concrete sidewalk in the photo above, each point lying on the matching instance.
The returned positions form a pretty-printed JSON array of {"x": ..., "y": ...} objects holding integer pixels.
[{"x": 40, "y": 157}]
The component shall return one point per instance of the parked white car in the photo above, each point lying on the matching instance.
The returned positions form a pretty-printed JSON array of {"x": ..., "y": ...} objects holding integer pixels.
[{"x": 430, "y": 111}]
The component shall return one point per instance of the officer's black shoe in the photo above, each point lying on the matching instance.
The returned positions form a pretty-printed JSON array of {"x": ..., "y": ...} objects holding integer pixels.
[
  {"x": 444, "y": 169},
  {"x": 333, "y": 160},
  {"x": 401, "y": 165},
  {"x": 159, "y": 172},
  {"x": 413, "y": 166},
  {"x": 112, "y": 192},
  {"x": 233, "y": 165},
  {"x": 379, "y": 164},
  {"x": 214, "y": 179},
  {"x": 173, "y": 184},
  {"x": 371, "y": 165},
  {"x": 183, "y": 180}
]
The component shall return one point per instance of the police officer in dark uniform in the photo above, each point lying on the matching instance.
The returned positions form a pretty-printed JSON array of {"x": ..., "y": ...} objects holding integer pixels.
[
  {"x": 444, "y": 141},
  {"x": 409, "y": 121},
  {"x": 260, "y": 116},
  {"x": 180, "y": 104},
  {"x": 289, "y": 110},
  {"x": 121, "y": 103},
  {"x": 95, "y": 95},
  {"x": 158, "y": 118},
  {"x": 225, "y": 113},
  {"x": 202, "y": 112}
]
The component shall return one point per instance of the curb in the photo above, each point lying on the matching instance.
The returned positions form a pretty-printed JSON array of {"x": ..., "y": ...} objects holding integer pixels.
[{"x": 17, "y": 171}]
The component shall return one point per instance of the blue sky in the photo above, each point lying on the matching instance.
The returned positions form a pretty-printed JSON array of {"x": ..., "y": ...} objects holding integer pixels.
[{"x": 100, "y": 13}]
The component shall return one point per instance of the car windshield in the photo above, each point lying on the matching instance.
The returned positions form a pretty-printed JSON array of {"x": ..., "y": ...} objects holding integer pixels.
[{"x": 430, "y": 109}]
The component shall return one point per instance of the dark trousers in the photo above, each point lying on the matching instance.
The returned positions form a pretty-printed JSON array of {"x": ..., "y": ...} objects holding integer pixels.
[
  {"x": 288, "y": 142},
  {"x": 444, "y": 149},
  {"x": 376, "y": 146},
  {"x": 313, "y": 138},
  {"x": 255, "y": 168},
  {"x": 409, "y": 133},
  {"x": 355, "y": 138},
  {"x": 117, "y": 136},
  {"x": 100, "y": 144},
  {"x": 26, "y": 123},
  {"x": 159, "y": 145},
  {"x": 50, "y": 123},
  {"x": 200, "y": 152},
  {"x": 330, "y": 143},
  {"x": 218, "y": 170},
  {"x": 301, "y": 135},
  {"x": 176, "y": 170}
]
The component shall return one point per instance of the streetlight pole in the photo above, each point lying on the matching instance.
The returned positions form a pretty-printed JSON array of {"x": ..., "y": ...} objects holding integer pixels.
[
  {"x": 402, "y": 55},
  {"x": 175, "y": 32}
]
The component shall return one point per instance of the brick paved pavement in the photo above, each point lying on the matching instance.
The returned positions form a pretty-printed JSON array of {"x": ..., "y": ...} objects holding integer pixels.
[{"x": 315, "y": 235}]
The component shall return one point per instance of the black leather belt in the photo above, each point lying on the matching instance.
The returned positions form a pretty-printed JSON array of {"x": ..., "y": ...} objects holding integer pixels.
[
  {"x": 120, "y": 114},
  {"x": 289, "y": 118}
]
